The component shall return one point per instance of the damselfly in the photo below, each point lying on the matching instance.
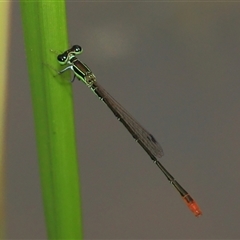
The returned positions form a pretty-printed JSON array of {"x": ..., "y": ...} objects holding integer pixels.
[{"x": 141, "y": 135}]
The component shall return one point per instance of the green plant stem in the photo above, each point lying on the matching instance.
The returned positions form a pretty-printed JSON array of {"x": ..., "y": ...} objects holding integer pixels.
[{"x": 44, "y": 25}]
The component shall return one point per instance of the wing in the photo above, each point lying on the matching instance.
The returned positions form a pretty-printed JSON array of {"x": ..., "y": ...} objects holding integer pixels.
[{"x": 140, "y": 134}]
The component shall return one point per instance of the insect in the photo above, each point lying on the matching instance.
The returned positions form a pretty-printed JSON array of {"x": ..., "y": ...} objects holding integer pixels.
[{"x": 140, "y": 134}]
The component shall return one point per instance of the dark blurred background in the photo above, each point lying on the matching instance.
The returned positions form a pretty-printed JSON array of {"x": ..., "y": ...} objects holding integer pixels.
[{"x": 175, "y": 67}]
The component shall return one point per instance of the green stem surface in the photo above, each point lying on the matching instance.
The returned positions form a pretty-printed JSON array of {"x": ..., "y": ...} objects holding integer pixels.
[{"x": 45, "y": 33}]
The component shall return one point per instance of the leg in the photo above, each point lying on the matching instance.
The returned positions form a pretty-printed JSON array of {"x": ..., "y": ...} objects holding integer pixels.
[
  {"x": 73, "y": 78},
  {"x": 65, "y": 69}
]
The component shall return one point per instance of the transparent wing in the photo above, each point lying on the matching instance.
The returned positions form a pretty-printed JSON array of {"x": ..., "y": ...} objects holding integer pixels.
[{"x": 136, "y": 130}]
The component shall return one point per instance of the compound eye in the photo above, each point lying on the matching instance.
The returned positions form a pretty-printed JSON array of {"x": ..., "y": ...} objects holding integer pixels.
[
  {"x": 77, "y": 49},
  {"x": 62, "y": 58}
]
